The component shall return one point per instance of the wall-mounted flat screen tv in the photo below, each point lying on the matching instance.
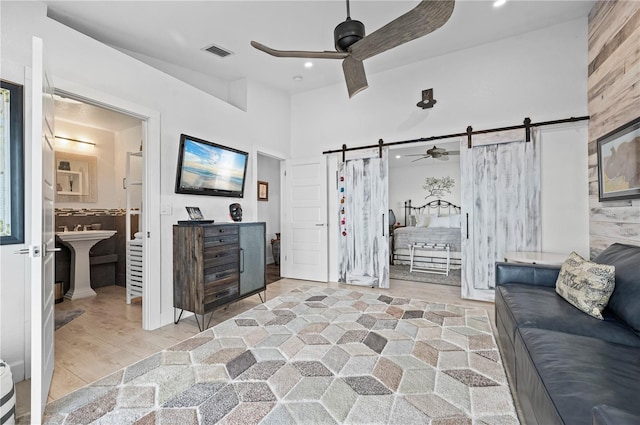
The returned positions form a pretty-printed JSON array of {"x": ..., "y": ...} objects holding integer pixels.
[{"x": 206, "y": 168}]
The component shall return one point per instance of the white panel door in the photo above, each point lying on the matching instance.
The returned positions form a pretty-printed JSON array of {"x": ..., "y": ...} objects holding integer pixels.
[
  {"x": 304, "y": 240},
  {"x": 42, "y": 243}
]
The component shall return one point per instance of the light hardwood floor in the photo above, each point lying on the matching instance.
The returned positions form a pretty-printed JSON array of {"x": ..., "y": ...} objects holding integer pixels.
[{"x": 109, "y": 335}]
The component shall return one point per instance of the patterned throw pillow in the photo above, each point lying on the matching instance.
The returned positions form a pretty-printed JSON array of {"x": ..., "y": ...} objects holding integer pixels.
[{"x": 586, "y": 285}]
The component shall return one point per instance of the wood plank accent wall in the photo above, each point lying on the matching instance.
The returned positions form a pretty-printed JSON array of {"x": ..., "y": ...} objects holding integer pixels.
[{"x": 614, "y": 100}]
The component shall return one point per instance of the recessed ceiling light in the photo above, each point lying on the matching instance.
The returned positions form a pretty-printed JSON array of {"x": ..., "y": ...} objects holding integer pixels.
[
  {"x": 499, "y": 3},
  {"x": 297, "y": 78},
  {"x": 398, "y": 156},
  {"x": 308, "y": 64}
]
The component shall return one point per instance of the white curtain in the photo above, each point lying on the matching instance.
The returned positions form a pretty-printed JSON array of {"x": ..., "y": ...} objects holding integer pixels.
[
  {"x": 363, "y": 221},
  {"x": 501, "y": 205}
]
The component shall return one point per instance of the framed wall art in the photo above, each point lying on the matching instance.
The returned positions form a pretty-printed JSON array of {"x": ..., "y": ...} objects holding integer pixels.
[
  {"x": 263, "y": 191},
  {"x": 619, "y": 163}
]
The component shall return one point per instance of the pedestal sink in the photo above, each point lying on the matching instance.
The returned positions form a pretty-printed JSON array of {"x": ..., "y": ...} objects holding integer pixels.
[{"x": 80, "y": 243}]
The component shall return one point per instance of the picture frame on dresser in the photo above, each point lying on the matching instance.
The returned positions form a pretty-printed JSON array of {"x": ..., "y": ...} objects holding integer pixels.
[
  {"x": 194, "y": 213},
  {"x": 619, "y": 163}
]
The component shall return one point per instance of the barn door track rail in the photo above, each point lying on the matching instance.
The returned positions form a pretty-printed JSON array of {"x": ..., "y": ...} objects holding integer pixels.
[{"x": 527, "y": 125}]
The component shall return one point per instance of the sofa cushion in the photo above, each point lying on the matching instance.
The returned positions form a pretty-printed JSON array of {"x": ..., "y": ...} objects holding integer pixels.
[
  {"x": 586, "y": 285},
  {"x": 624, "y": 301},
  {"x": 540, "y": 307},
  {"x": 567, "y": 375}
]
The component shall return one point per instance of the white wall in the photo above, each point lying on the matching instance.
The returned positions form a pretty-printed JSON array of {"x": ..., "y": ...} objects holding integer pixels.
[
  {"x": 541, "y": 75},
  {"x": 564, "y": 190},
  {"x": 103, "y": 151},
  {"x": 84, "y": 63},
  {"x": 110, "y": 151},
  {"x": 269, "y": 211}
]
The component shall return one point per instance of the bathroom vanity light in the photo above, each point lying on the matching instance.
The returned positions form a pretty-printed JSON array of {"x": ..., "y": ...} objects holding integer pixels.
[{"x": 75, "y": 140}]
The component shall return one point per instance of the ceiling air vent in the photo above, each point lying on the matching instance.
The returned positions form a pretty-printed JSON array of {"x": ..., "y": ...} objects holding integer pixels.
[{"x": 218, "y": 51}]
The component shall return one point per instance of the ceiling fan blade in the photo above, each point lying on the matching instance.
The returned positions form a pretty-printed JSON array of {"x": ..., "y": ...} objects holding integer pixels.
[
  {"x": 418, "y": 154},
  {"x": 354, "y": 75},
  {"x": 420, "y": 158},
  {"x": 426, "y": 17},
  {"x": 299, "y": 53},
  {"x": 454, "y": 152},
  {"x": 442, "y": 157}
]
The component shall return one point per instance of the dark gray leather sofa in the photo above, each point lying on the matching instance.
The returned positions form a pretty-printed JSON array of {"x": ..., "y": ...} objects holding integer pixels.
[{"x": 565, "y": 366}]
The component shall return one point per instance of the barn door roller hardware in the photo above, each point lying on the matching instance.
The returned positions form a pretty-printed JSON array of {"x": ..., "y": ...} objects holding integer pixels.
[{"x": 344, "y": 149}]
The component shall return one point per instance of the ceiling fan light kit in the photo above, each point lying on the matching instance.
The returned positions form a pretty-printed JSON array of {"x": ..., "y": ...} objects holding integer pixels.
[{"x": 353, "y": 46}]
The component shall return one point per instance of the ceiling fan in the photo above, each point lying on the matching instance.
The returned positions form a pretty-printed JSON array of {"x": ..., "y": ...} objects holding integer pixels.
[
  {"x": 353, "y": 46},
  {"x": 436, "y": 153}
]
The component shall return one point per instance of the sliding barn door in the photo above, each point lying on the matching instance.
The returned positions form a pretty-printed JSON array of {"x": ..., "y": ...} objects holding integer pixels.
[
  {"x": 364, "y": 223},
  {"x": 500, "y": 206}
]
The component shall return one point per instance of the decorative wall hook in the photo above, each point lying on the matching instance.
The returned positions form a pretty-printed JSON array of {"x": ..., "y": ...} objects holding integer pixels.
[{"x": 427, "y": 99}]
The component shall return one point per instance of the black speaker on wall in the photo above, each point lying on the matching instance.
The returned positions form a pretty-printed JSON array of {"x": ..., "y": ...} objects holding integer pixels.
[{"x": 235, "y": 211}]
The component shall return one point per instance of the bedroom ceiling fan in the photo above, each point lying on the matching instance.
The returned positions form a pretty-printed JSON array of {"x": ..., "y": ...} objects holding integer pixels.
[
  {"x": 436, "y": 153},
  {"x": 353, "y": 46}
]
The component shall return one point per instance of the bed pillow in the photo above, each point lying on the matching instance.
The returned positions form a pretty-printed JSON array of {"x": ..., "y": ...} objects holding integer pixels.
[
  {"x": 423, "y": 220},
  {"x": 440, "y": 222},
  {"x": 586, "y": 285},
  {"x": 455, "y": 220}
]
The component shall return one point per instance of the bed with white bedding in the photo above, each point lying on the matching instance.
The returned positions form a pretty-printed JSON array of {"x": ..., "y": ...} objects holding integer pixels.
[{"x": 437, "y": 222}]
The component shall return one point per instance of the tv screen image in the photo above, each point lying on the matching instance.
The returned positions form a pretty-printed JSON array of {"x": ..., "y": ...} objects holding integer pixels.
[{"x": 206, "y": 168}]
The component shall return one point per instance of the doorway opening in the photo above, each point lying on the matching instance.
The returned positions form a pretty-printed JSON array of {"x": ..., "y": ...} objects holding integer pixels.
[
  {"x": 99, "y": 183},
  {"x": 409, "y": 168},
  {"x": 100, "y": 186},
  {"x": 269, "y": 169}
]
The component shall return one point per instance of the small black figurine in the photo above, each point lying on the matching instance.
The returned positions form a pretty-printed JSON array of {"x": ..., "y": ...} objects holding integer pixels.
[{"x": 235, "y": 210}]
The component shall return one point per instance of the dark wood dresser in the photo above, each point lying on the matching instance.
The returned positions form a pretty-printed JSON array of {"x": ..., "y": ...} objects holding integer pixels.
[{"x": 215, "y": 264}]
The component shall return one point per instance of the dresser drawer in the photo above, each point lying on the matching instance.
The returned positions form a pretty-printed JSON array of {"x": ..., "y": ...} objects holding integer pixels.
[
  {"x": 220, "y": 230},
  {"x": 218, "y": 294},
  {"x": 217, "y": 256},
  {"x": 220, "y": 273},
  {"x": 220, "y": 240}
]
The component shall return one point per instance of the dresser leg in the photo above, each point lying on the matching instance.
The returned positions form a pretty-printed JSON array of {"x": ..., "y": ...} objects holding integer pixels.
[
  {"x": 175, "y": 321},
  {"x": 203, "y": 327},
  {"x": 198, "y": 323}
]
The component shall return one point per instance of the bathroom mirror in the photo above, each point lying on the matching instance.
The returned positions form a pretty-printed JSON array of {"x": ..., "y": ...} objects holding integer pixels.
[{"x": 76, "y": 178}]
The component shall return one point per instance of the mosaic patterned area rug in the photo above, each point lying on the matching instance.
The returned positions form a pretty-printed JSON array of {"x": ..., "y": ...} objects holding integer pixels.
[{"x": 314, "y": 356}]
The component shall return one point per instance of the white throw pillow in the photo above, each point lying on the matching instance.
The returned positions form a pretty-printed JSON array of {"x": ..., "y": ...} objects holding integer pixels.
[
  {"x": 440, "y": 222},
  {"x": 423, "y": 220}
]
